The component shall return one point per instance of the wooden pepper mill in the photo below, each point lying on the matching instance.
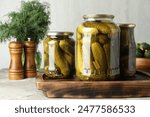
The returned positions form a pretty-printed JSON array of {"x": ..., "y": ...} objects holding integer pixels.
[
  {"x": 29, "y": 65},
  {"x": 16, "y": 71}
]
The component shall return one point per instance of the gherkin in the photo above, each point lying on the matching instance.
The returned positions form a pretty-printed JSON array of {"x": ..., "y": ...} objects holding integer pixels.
[
  {"x": 101, "y": 27},
  {"x": 79, "y": 63},
  {"x": 60, "y": 60},
  {"x": 70, "y": 60},
  {"x": 46, "y": 56},
  {"x": 85, "y": 30},
  {"x": 114, "y": 29},
  {"x": 103, "y": 39},
  {"x": 99, "y": 56},
  {"x": 66, "y": 47},
  {"x": 112, "y": 26},
  {"x": 107, "y": 52},
  {"x": 79, "y": 36},
  {"x": 92, "y": 68}
]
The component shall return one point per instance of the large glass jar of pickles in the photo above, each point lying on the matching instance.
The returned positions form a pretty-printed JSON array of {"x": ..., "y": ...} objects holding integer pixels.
[
  {"x": 59, "y": 55},
  {"x": 97, "y": 48}
]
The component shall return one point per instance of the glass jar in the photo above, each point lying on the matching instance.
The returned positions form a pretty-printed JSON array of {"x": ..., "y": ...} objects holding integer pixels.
[
  {"x": 98, "y": 48},
  {"x": 59, "y": 55},
  {"x": 128, "y": 50}
]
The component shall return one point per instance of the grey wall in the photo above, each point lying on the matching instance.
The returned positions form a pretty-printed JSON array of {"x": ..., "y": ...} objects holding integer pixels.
[{"x": 67, "y": 14}]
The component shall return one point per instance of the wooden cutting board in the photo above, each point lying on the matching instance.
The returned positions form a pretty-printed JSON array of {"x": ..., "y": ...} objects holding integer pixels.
[{"x": 138, "y": 86}]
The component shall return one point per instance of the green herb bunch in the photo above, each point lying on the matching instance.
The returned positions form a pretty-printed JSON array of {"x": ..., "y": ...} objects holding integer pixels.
[{"x": 31, "y": 21}]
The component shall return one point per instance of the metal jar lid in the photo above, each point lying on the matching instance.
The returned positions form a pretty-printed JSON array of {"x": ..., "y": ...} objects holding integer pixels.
[
  {"x": 55, "y": 33},
  {"x": 98, "y": 16},
  {"x": 129, "y": 25}
]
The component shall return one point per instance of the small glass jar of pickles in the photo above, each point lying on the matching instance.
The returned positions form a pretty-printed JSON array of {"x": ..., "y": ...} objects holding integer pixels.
[
  {"x": 59, "y": 55},
  {"x": 98, "y": 48}
]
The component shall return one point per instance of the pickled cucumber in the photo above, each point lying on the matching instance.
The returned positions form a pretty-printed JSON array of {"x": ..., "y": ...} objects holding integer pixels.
[
  {"x": 107, "y": 52},
  {"x": 46, "y": 63},
  {"x": 99, "y": 56},
  {"x": 101, "y": 27},
  {"x": 103, "y": 39},
  {"x": 79, "y": 36},
  {"x": 92, "y": 67},
  {"x": 114, "y": 29},
  {"x": 112, "y": 26},
  {"x": 84, "y": 30},
  {"x": 79, "y": 63},
  {"x": 71, "y": 42},
  {"x": 94, "y": 38},
  {"x": 46, "y": 56},
  {"x": 60, "y": 61},
  {"x": 68, "y": 51},
  {"x": 66, "y": 47},
  {"x": 70, "y": 60}
]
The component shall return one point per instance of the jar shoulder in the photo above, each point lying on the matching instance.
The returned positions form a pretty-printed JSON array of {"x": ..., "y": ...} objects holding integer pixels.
[{"x": 107, "y": 25}]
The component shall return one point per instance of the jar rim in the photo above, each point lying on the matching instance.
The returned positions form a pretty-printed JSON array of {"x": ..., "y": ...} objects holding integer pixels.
[
  {"x": 57, "y": 33},
  {"x": 127, "y": 25},
  {"x": 97, "y": 16}
]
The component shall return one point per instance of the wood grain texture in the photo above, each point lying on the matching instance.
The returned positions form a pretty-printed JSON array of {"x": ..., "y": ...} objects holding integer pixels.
[
  {"x": 16, "y": 71},
  {"x": 143, "y": 64},
  {"x": 29, "y": 65},
  {"x": 139, "y": 86}
]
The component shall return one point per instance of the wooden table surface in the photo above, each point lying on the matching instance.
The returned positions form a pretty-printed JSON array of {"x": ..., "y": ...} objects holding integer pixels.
[{"x": 23, "y": 89}]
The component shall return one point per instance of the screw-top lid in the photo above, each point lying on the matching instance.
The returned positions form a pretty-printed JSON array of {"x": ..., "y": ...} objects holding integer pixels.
[
  {"x": 55, "y": 33},
  {"x": 129, "y": 25},
  {"x": 98, "y": 17}
]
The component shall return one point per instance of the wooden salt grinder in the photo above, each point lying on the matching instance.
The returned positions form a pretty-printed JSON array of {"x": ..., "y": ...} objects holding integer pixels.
[
  {"x": 16, "y": 71},
  {"x": 29, "y": 65}
]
